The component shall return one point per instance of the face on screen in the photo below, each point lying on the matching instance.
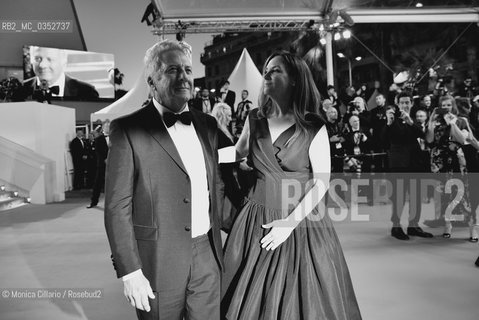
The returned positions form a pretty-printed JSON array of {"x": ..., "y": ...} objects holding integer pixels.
[{"x": 48, "y": 64}]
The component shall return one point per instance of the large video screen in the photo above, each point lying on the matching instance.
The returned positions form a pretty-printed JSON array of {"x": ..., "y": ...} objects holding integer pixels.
[{"x": 70, "y": 74}]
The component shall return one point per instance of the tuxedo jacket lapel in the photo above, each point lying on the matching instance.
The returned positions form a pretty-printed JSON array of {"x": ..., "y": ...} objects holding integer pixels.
[
  {"x": 201, "y": 127},
  {"x": 155, "y": 126}
]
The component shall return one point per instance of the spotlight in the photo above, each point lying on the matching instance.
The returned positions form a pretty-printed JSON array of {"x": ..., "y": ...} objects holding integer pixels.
[
  {"x": 15, "y": 193},
  {"x": 346, "y": 34},
  {"x": 322, "y": 41},
  {"x": 2, "y": 188},
  {"x": 29, "y": 200},
  {"x": 341, "y": 55},
  {"x": 224, "y": 49},
  {"x": 213, "y": 90},
  {"x": 358, "y": 58},
  {"x": 337, "y": 36},
  {"x": 197, "y": 89},
  {"x": 419, "y": 5}
]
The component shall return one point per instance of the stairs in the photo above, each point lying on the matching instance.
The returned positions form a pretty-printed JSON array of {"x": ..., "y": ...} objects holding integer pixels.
[{"x": 10, "y": 200}]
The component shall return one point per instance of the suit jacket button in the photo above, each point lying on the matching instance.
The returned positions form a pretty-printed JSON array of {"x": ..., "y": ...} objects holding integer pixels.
[
  {"x": 186, "y": 200},
  {"x": 187, "y": 228}
]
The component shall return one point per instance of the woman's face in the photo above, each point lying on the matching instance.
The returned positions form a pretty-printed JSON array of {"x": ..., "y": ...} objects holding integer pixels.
[
  {"x": 427, "y": 101},
  {"x": 227, "y": 116},
  {"x": 447, "y": 104},
  {"x": 276, "y": 81}
]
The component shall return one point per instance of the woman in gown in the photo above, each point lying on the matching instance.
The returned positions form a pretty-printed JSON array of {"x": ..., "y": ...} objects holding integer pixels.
[{"x": 283, "y": 259}]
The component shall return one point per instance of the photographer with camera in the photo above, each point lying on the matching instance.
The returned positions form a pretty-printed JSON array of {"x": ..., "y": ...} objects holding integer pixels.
[{"x": 356, "y": 145}]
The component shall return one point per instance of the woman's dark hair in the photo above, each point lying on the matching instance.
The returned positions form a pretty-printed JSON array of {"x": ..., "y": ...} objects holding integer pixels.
[{"x": 305, "y": 96}]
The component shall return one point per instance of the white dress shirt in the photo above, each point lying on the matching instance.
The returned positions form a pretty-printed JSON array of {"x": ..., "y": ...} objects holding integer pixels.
[{"x": 191, "y": 153}]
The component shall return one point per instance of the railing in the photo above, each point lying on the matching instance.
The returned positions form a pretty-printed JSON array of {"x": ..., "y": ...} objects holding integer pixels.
[{"x": 27, "y": 171}]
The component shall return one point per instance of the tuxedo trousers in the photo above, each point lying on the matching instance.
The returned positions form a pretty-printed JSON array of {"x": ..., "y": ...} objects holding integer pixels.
[{"x": 197, "y": 296}]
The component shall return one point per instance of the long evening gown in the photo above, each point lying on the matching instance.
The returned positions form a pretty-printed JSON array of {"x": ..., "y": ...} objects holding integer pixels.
[{"x": 306, "y": 277}]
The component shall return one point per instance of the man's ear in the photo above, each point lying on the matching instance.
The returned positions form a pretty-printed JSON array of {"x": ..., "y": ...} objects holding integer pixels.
[{"x": 149, "y": 80}]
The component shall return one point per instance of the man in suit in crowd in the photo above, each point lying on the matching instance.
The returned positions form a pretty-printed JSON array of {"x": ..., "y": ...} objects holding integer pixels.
[
  {"x": 401, "y": 132},
  {"x": 333, "y": 97},
  {"x": 78, "y": 150},
  {"x": 164, "y": 196},
  {"x": 204, "y": 102},
  {"x": 101, "y": 153},
  {"x": 228, "y": 96},
  {"x": 242, "y": 111},
  {"x": 49, "y": 65}
]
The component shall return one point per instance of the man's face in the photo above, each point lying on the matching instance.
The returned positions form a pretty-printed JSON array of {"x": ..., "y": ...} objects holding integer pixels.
[
  {"x": 173, "y": 82},
  {"x": 405, "y": 104},
  {"x": 226, "y": 86},
  {"x": 48, "y": 64},
  {"x": 468, "y": 82},
  {"x": 244, "y": 95},
  {"x": 380, "y": 101},
  {"x": 331, "y": 91},
  {"x": 79, "y": 134},
  {"x": 421, "y": 117},
  {"x": 205, "y": 93},
  {"x": 354, "y": 122}
]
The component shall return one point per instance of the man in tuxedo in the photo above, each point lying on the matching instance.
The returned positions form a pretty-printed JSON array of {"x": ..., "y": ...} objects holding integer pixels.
[
  {"x": 242, "y": 111},
  {"x": 401, "y": 134},
  {"x": 228, "y": 96},
  {"x": 164, "y": 196},
  {"x": 204, "y": 103},
  {"x": 333, "y": 97},
  {"x": 49, "y": 65},
  {"x": 101, "y": 154},
  {"x": 78, "y": 150}
]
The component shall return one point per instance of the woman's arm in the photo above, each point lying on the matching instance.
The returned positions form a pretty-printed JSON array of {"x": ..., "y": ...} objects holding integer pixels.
[
  {"x": 319, "y": 156},
  {"x": 456, "y": 133},
  {"x": 240, "y": 150},
  {"x": 430, "y": 127},
  {"x": 242, "y": 146}
]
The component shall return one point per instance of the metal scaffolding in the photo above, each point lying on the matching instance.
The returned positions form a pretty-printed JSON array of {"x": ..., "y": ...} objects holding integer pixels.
[{"x": 165, "y": 24}]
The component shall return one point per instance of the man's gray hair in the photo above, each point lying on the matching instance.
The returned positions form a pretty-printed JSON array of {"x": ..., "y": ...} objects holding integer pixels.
[
  {"x": 61, "y": 53},
  {"x": 152, "y": 58}
]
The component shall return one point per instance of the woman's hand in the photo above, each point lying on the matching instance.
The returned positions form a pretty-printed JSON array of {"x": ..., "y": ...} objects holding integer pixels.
[
  {"x": 450, "y": 118},
  {"x": 432, "y": 117},
  {"x": 243, "y": 165},
  {"x": 280, "y": 231}
]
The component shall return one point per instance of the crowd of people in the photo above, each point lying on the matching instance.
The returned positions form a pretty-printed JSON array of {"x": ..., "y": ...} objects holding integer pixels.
[{"x": 401, "y": 134}]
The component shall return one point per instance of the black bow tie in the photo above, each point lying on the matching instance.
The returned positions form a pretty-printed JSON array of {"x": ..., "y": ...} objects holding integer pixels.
[
  {"x": 171, "y": 118},
  {"x": 55, "y": 89}
]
